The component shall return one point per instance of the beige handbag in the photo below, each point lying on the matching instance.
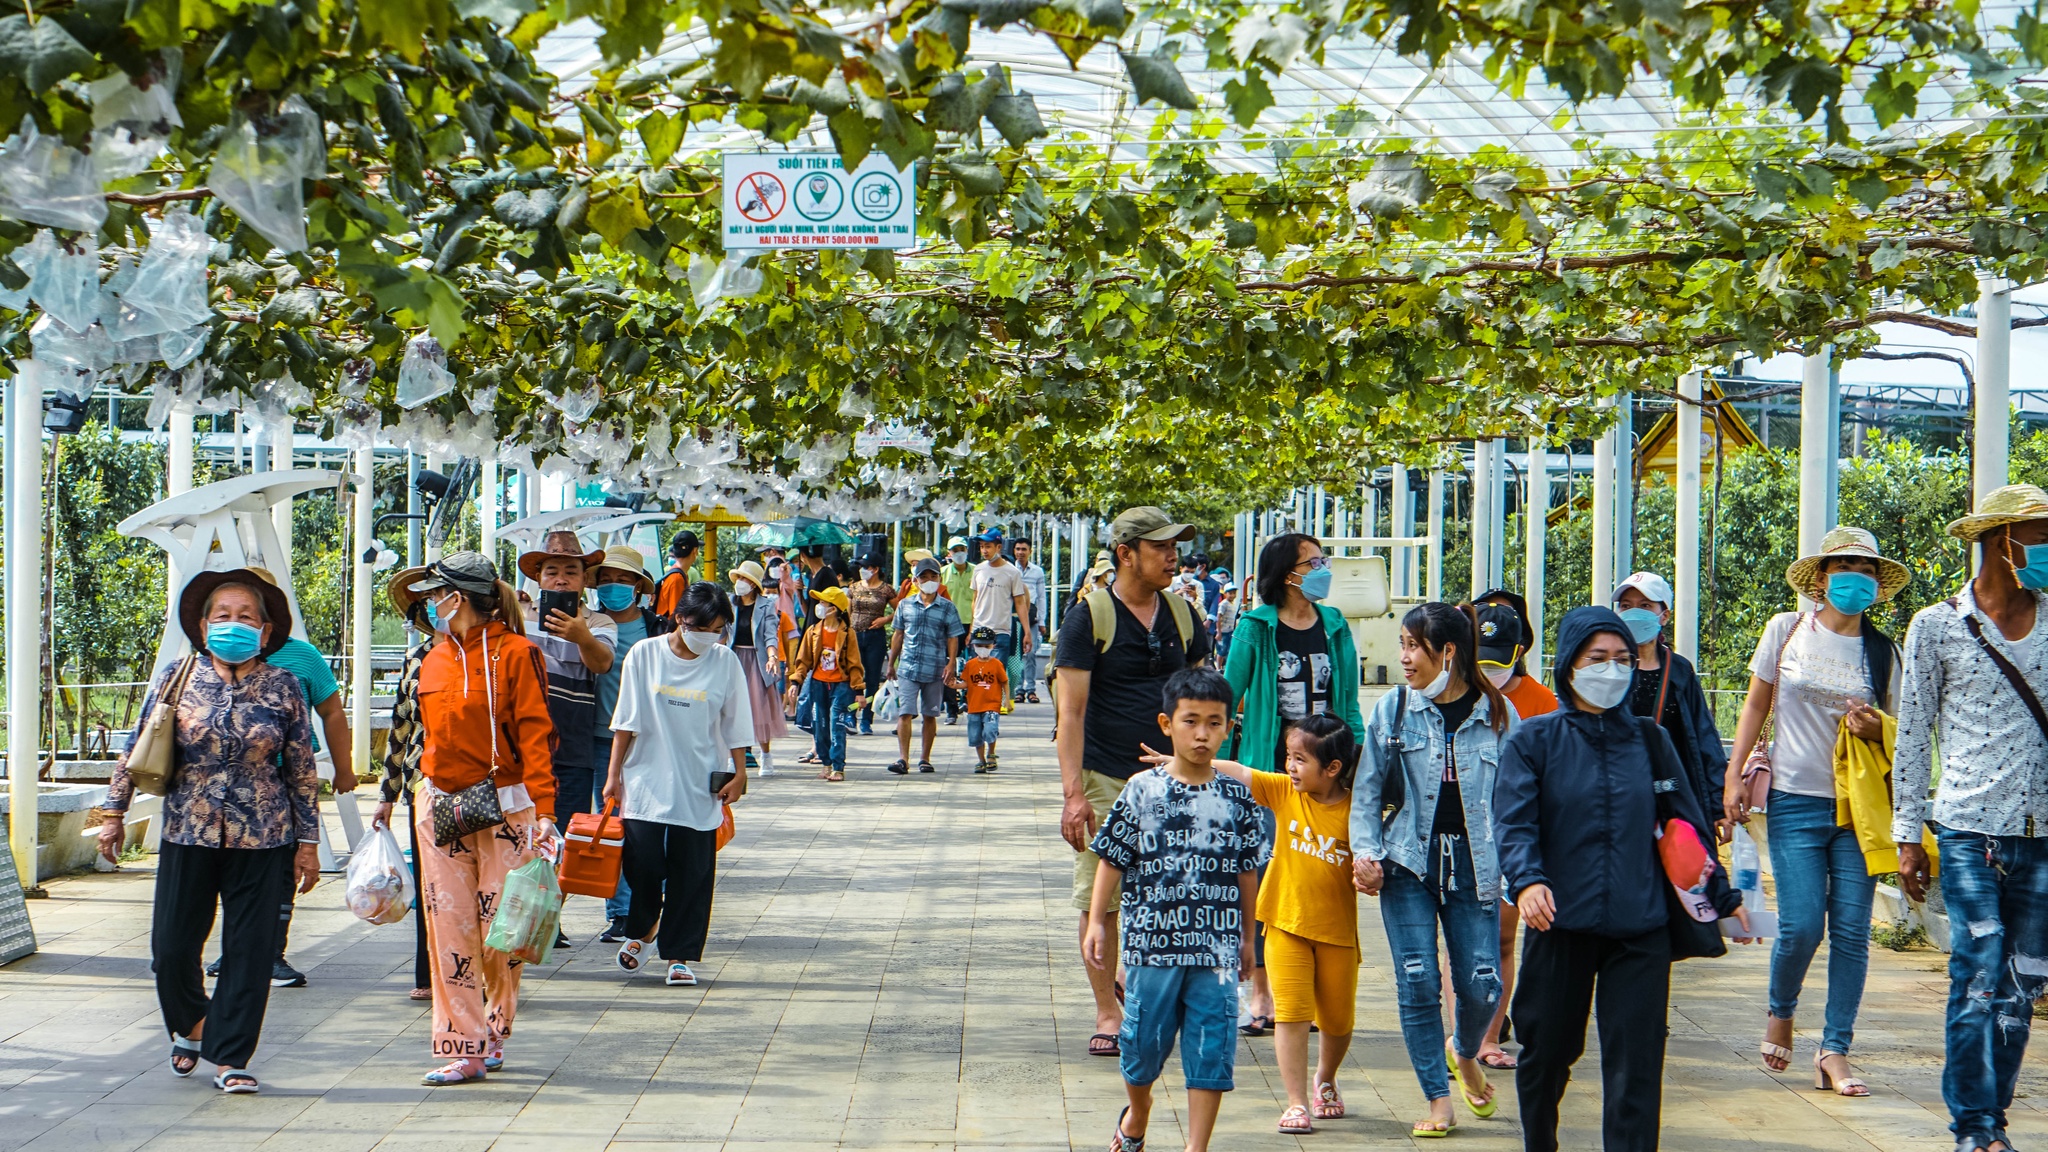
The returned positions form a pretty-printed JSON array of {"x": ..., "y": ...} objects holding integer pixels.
[{"x": 152, "y": 757}]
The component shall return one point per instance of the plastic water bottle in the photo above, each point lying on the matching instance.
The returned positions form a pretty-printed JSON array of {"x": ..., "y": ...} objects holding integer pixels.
[{"x": 1748, "y": 865}]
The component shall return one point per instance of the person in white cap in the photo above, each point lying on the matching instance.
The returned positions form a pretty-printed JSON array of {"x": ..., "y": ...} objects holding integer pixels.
[
  {"x": 1667, "y": 687},
  {"x": 1976, "y": 675},
  {"x": 1814, "y": 675}
]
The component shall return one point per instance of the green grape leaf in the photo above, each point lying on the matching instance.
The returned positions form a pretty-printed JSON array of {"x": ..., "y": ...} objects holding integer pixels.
[
  {"x": 1156, "y": 77},
  {"x": 41, "y": 54},
  {"x": 1016, "y": 117},
  {"x": 661, "y": 133}
]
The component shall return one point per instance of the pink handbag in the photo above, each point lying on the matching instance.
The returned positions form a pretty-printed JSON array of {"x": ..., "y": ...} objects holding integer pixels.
[{"x": 1756, "y": 770}]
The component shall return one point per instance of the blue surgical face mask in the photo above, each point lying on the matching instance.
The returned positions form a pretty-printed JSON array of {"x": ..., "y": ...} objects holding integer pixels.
[
  {"x": 2034, "y": 573},
  {"x": 615, "y": 597},
  {"x": 1315, "y": 583},
  {"x": 233, "y": 642},
  {"x": 1852, "y": 592},
  {"x": 1643, "y": 624}
]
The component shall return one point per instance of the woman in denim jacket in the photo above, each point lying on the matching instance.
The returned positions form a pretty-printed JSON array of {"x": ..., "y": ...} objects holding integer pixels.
[{"x": 1432, "y": 860}]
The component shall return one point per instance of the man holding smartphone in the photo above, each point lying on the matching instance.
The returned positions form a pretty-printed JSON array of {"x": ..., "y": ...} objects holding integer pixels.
[{"x": 580, "y": 646}]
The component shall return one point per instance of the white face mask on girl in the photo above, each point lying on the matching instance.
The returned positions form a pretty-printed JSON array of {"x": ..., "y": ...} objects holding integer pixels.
[
  {"x": 1498, "y": 677},
  {"x": 743, "y": 587},
  {"x": 1436, "y": 687},
  {"x": 700, "y": 642},
  {"x": 1603, "y": 685},
  {"x": 984, "y": 650}
]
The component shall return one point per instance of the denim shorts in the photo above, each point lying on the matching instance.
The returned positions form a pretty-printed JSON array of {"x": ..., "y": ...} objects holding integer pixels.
[
  {"x": 983, "y": 727},
  {"x": 1197, "y": 1005}
]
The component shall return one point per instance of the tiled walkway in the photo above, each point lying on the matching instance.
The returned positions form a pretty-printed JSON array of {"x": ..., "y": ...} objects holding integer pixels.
[{"x": 892, "y": 967}]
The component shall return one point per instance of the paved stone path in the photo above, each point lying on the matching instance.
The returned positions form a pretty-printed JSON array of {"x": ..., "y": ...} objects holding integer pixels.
[{"x": 892, "y": 966}]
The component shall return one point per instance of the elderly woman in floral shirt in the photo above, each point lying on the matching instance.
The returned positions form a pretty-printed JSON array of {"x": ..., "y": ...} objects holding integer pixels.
[{"x": 241, "y": 825}]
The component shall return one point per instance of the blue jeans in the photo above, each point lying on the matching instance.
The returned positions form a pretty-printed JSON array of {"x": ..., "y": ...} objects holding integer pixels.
[
  {"x": 1997, "y": 893},
  {"x": 806, "y": 697},
  {"x": 1198, "y": 1005},
  {"x": 1410, "y": 907},
  {"x": 829, "y": 701},
  {"x": 1822, "y": 886},
  {"x": 620, "y": 901}
]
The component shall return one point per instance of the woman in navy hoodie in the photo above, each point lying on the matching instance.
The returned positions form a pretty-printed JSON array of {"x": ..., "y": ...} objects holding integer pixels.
[{"x": 1576, "y": 810}]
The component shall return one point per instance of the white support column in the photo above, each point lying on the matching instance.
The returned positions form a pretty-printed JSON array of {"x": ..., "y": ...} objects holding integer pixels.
[
  {"x": 281, "y": 446},
  {"x": 24, "y": 557},
  {"x": 177, "y": 482},
  {"x": 1535, "y": 531},
  {"x": 1685, "y": 635},
  {"x": 364, "y": 598},
  {"x": 1403, "y": 512},
  {"x": 1624, "y": 490},
  {"x": 895, "y": 554},
  {"x": 1603, "y": 515},
  {"x": 1484, "y": 497},
  {"x": 487, "y": 514},
  {"x": 1988, "y": 459},
  {"x": 1053, "y": 598},
  {"x": 1497, "y": 523},
  {"x": 1083, "y": 559},
  {"x": 1435, "y": 587},
  {"x": 1818, "y": 444}
]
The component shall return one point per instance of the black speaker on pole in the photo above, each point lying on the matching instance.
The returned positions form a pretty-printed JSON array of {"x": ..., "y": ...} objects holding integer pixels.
[{"x": 873, "y": 544}]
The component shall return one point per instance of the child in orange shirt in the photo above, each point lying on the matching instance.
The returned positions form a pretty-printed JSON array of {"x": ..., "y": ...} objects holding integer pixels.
[{"x": 988, "y": 688}]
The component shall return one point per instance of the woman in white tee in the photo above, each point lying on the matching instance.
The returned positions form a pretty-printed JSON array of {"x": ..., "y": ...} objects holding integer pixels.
[
  {"x": 683, "y": 715},
  {"x": 1814, "y": 674}
]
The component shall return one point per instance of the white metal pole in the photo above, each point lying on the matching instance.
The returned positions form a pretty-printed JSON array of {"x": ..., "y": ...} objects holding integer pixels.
[
  {"x": 1988, "y": 460},
  {"x": 1404, "y": 525},
  {"x": 1053, "y": 598},
  {"x": 1483, "y": 498},
  {"x": 1685, "y": 636},
  {"x": 1624, "y": 490},
  {"x": 1436, "y": 535},
  {"x": 487, "y": 514},
  {"x": 177, "y": 482},
  {"x": 1497, "y": 521},
  {"x": 365, "y": 602},
  {"x": 1535, "y": 528},
  {"x": 896, "y": 555},
  {"x": 281, "y": 445},
  {"x": 1818, "y": 443},
  {"x": 24, "y": 556},
  {"x": 1603, "y": 515}
]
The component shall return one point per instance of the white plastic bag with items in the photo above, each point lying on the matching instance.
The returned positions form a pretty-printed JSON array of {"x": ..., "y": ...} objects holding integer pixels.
[
  {"x": 64, "y": 284},
  {"x": 379, "y": 880},
  {"x": 258, "y": 174},
  {"x": 423, "y": 375},
  {"x": 888, "y": 703},
  {"x": 166, "y": 293},
  {"x": 46, "y": 181}
]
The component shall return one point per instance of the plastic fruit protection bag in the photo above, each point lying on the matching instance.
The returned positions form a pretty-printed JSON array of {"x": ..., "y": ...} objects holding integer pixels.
[
  {"x": 529, "y": 913},
  {"x": 167, "y": 292},
  {"x": 45, "y": 181},
  {"x": 380, "y": 886},
  {"x": 259, "y": 169},
  {"x": 423, "y": 375},
  {"x": 66, "y": 285}
]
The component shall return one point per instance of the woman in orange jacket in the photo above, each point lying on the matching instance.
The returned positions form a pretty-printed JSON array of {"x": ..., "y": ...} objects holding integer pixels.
[
  {"x": 484, "y": 711},
  {"x": 829, "y": 656}
]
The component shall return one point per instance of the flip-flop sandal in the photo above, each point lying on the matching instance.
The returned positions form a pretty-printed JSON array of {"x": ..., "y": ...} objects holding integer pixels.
[
  {"x": 1499, "y": 1061},
  {"x": 183, "y": 1048},
  {"x": 1485, "y": 1106},
  {"x": 900, "y": 768},
  {"x": 1257, "y": 1026},
  {"x": 420, "y": 994},
  {"x": 924, "y": 766},
  {"x": 1118, "y": 1142},
  {"x": 629, "y": 955},
  {"x": 1104, "y": 1044},
  {"x": 1329, "y": 1102},
  {"x": 1424, "y": 1131},
  {"x": 453, "y": 1072},
  {"x": 837, "y": 777},
  {"x": 237, "y": 1082},
  {"x": 1295, "y": 1121},
  {"x": 680, "y": 976}
]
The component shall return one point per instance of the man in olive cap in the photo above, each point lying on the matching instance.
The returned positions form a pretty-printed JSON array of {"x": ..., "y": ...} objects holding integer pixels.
[{"x": 1108, "y": 691}]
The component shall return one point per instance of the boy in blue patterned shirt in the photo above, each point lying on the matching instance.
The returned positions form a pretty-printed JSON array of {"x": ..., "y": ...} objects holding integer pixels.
[{"x": 1180, "y": 851}]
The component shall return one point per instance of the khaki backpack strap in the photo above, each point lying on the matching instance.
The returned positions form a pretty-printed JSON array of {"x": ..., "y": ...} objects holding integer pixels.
[
  {"x": 1183, "y": 619},
  {"x": 1102, "y": 615}
]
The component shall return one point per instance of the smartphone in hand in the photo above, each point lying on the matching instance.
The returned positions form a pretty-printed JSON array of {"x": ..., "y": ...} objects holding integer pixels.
[{"x": 566, "y": 603}]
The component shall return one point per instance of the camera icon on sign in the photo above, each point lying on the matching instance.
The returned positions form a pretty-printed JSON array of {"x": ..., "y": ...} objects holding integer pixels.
[{"x": 876, "y": 195}]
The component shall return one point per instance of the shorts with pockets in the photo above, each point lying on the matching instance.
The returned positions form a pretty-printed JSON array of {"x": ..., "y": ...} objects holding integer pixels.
[
  {"x": 1197, "y": 1005},
  {"x": 984, "y": 728},
  {"x": 1312, "y": 981},
  {"x": 920, "y": 698},
  {"x": 1102, "y": 792}
]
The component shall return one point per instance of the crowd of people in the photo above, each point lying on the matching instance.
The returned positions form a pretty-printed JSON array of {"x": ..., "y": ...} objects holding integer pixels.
[{"x": 1539, "y": 855}]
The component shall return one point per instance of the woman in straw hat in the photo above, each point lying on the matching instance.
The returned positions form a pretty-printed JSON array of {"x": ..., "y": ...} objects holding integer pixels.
[
  {"x": 762, "y": 636},
  {"x": 1814, "y": 674},
  {"x": 241, "y": 826}
]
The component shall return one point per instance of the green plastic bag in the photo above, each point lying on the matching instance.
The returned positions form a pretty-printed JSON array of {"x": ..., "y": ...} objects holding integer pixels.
[{"x": 529, "y": 913}]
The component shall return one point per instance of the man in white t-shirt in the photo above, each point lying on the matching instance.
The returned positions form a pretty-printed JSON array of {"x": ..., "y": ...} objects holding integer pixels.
[{"x": 999, "y": 595}]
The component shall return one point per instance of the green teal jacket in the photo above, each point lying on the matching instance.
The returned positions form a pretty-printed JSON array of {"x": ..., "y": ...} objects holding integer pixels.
[{"x": 1254, "y": 674}]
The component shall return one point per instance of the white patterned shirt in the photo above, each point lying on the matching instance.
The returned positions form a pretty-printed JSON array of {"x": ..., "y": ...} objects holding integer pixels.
[{"x": 1994, "y": 758}]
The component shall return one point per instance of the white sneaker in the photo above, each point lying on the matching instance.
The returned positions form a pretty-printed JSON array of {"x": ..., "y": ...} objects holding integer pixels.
[{"x": 765, "y": 771}]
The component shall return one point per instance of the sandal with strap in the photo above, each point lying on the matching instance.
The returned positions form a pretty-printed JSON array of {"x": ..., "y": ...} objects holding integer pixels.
[
  {"x": 1295, "y": 1121},
  {"x": 629, "y": 954},
  {"x": 185, "y": 1049},
  {"x": 1119, "y": 1142},
  {"x": 1433, "y": 1129},
  {"x": 1104, "y": 1044},
  {"x": 924, "y": 767},
  {"x": 1777, "y": 1052},
  {"x": 453, "y": 1072},
  {"x": 237, "y": 1082},
  {"x": 1329, "y": 1102},
  {"x": 420, "y": 994},
  {"x": 1500, "y": 1060},
  {"x": 836, "y": 777},
  {"x": 494, "y": 1059},
  {"x": 900, "y": 768},
  {"x": 1844, "y": 1086}
]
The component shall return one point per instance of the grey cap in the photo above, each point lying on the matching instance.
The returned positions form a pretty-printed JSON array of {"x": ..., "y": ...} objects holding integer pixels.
[
  {"x": 1147, "y": 523},
  {"x": 925, "y": 567},
  {"x": 470, "y": 572}
]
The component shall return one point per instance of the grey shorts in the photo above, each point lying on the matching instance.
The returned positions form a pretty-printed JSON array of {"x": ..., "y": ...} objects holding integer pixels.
[{"x": 920, "y": 699}]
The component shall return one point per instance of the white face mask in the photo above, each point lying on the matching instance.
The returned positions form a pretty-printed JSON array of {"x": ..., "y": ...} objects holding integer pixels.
[
  {"x": 984, "y": 651},
  {"x": 743, "y": 587},
  {"x": 1436, "y": 687},
  {"x": 1499, "y": 677},
  {"x": 828, "y": 614},
  {"x": 957, "y": 557},
  {"x": 929, "y": 587},
  {"x": 700, "y": 642},
  {"x": 1603, "y": 685},
  {"x": 870, "y": 573}
]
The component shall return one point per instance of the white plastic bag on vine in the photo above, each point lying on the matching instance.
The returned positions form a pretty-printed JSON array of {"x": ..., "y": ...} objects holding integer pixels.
[
  {"x": 258, "y": 171},
  {"x": 423, "y": 375},
  {"x": 46, "y": 181},
  {"x": 62, "y": 283}
]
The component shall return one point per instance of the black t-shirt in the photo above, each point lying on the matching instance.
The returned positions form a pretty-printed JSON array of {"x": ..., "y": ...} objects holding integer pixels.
[
  {"x": 1304, "y": 675},
  {"x": 1642, "y": 700},
  {"x": 742, "y": 625},
  {"x": 1126, "y": 681},
  {"x": 1450, "y": 803}
]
